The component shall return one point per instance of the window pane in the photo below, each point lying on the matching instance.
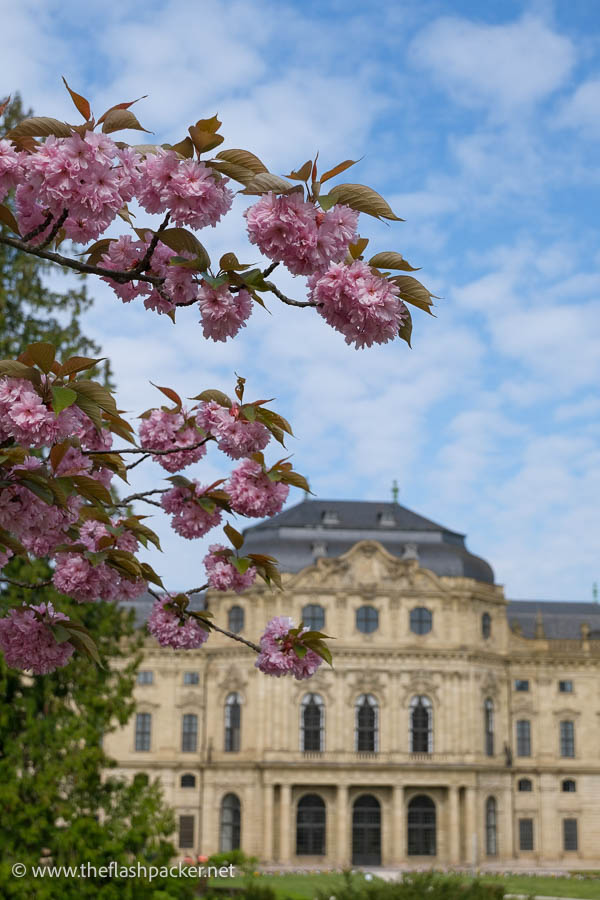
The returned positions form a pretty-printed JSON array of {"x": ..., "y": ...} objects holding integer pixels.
[
  {"x": 567, "y": 739},
  {"x": 191, "y": 678},
  {"x": 525, "y": 834},
  {"x": 367, "y": 619},
  {"x": 233, "y": 718},
  {"x": 421, "y": 620},
  {"x": 188, "y": 781},
  {"x": 521, "y": 684},
  {"x": 490, "y": 827},
  {"x": 565, "y": 687},
  {"x": 313, "y": 617},
  {"x": 570, "y": 834},
  {"x": 310, "y": 826},
  {"x": 569, "y": 786},
  {"x": 189, "y": 734},
  {"x": 421, "y": 731},
  {"x": 235, "y": 619},
  {"x": 523, "y": 737},
  {"x": 231, "y": 823},
  {"x": 486, "y": 625},
  {"x": 186, "y": 831},
  {"x": 145, "y": 677},
  {"x": 143, "y": 723},
  {"x": 524, "y": 784},
  {"x": 312, "y": 723},
  {"x": 366, "y": 724},
  {"x": 489, "y": 727}
]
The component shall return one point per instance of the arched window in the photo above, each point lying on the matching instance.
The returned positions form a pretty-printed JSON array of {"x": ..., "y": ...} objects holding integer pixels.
[
  {"x": 140, "y": 778},
  {"x": 367, "y": 619},
  {"x": 421, "y": 620},
  {"x": 188, "y": 781},
  {"x": 313, "y": 616},
  {"x": 235, "y": 619},
  {"x": 421, "y": 725},
  {"x": 312, "y": 730},
  {"x": 491, "y": 838},
  {"x": 367, "y": 724},
  {"x": 524, "y": 784},
  {"x": 486, "y": 626},
  {"x": 310, "y": 826},
  {"x": 421, "y": 826},
  {"x": 233, "y": 722},
  {"x": 568, "y": 786},
  {"x": 189, "y": 733},
  {"x": 230, "y": 829},
  {"x": 488, "y": 711}
]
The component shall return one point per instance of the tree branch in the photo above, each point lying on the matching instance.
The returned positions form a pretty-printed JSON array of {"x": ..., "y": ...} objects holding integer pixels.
[
  {"x": 141, "y": 496},
  {"x": 56, "y": 228},
  {"x": 275, "y": 290},
  {"x": 144, "y": 264},
  {"x": 150, "y": 452},
  {"x": 24, "y": 584},
  {"x": 39, "y": 229},
  {"x": 121, "y": 277}
]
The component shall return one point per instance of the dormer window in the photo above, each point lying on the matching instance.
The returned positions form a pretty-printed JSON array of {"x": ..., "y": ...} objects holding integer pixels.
[
  {"x": 319, "y": 549},
  {"x": 330, "y": 517},
  {"x": 386, "y": 519}
]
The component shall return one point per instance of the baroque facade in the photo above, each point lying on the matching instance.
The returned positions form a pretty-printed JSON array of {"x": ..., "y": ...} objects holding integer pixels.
[{"x": 455, "y": 727}]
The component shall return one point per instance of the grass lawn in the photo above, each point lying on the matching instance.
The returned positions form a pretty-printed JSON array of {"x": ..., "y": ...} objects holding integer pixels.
[{"x": 304, "y": 887}]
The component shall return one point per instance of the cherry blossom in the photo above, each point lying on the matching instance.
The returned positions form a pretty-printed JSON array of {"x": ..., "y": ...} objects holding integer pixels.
[
  {"x": 27, "y": 641},
  {"x": 252, "y": 493},
  {"x": 236, "y": 436},
  {"x": 223, "y": 575},
  {"x": 173, "y": 630},
  {"x": 191, "y": 519},
  {"x": 277, "y": 656},
  {"x": 223, "y": 313},
  {"x": 165, "y": 430}
]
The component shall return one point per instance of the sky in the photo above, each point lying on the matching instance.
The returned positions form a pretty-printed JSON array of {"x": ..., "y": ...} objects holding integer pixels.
[{"x": 480, "y": 124}]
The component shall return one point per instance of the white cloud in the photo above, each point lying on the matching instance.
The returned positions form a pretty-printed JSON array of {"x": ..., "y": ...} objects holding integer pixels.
[
  {"x": 581, "y": 110},
  {"x": 503, "y": 66}
]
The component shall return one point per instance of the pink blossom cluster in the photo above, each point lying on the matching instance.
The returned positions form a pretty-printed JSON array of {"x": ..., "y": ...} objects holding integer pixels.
[
  {"x": 252, "y": 493},
  {"x": 236, "y": 436},
  {"x": 125, "y": 253},
  {"x": 223, "y": 313},
  {"x": 38, "y": 525},
  {"x": 290, "y": 230},
  {"x": 171, "y": 629},
  {"x": 87, "y": 175},
  {"x": 223, "y": 575},
  {"x": 11, "y": 168},
  {"x": 365, "y": 307},
  {"x": 277, "y": 656},
  {"x": 27, "y": 641},
  {"x": 193, "y": 193},
  {"x": 190, "y": 518},
  {"x": 164, "y": 430},
  {"x": 80, "y": 578},
  {"x": 27, "y": 420}
]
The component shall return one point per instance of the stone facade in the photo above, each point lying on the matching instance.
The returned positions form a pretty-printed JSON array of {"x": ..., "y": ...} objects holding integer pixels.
[{"x": 444, "y": 737}]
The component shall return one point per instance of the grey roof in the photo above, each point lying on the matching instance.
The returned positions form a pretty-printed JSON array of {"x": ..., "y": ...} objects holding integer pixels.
[
  {"x": 560, "y": 619},
  {"x": 313, "y": 528},
  {"x": 142, "y": 606}
]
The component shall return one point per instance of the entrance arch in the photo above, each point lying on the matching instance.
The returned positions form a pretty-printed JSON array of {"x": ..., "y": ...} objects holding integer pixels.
[
  {"x": 366, "y": 831},
  {"x": 421, "y": 826}
]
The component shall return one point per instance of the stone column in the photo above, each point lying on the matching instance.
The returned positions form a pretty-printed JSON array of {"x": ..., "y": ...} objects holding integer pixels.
[
  {"x": 453, "y": 826},
  {"x": 267, "y": 853},
  {"x": 285, "y": 794},
  {"x": 399, "y": 849},
  {"x": 342, "y": 850},
  {"x": 471, "y": 837},
  {"x": 208, "y": 838}
]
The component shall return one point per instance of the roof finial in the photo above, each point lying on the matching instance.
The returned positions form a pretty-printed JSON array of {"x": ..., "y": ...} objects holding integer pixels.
[
  {"x": 595, "y": 591},
  {"x": 395, "y": 491}
]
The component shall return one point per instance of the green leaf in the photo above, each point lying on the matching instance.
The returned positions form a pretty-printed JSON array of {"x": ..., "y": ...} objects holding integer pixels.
[
  {"x": 243, "y": 158},
  {"x": 300, "y": 650},
  {"x": 91, "y": 489},
  {"x": 234, "y": 536},
  {"x": 363, "y": 199},
  {"x": 405, "y": 330},
  {"x": 203, "y": 139},
  {"x": 412, "y": 291},
  {"x": 120, "y": 119},
  {"x": 78, "y": 364},
  {"x": 218, "y": 396},
  {"x": 242, "y": 563},
  {"x": 40, "y": 126},
  {"x": 327, "y": 202},
  {"x": 37, "y": 487},
  {"x": 97, "y": 393},
  {"x": 16, "y": 369},
  {"x": 183, "y": 241},
  {"x": 390, "y": 260},
  {"x": 62, "y": 398},
  {"x": 356, "y": 250},
  {"x": 60, "y": 633},
  {"x": 97, "y": 250},
  {"x": 42, "y": 353},
  {"x": 230, "y": 263},
  {"x": 265, "y": 181},
  {"x": 231, "y": 170},
  {"x": 184, "y": 148}
]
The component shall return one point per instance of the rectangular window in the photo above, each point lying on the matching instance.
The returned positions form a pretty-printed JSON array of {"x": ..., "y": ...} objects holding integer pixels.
[
  {"x": 191, "y": 678},
  {"x": 143, "y": 725},
  {"x": 521, "y": 684},
  {"x": 565, "y": 687},
  {"x": 570, "y": 834},
  {"x": 189, "y": 733},
  {"x": 145, "y": 677},
  {"x": 525, "y": 834},
  {"x": 567, "y": 739},
  {"x": 186, "y": 832},
  {"x": 523, "y": 737}
]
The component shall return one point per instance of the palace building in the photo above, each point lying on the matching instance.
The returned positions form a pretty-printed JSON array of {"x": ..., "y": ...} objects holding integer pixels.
[{"x": 455, "y": 727}]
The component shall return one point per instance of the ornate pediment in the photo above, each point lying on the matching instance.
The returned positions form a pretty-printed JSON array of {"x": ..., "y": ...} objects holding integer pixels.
[
  {"x": 422, "y": 682},
  {"x": 367, "y": 567},
  {"x": 365, "y": 682},
  {"x": 233, "y": 680}
]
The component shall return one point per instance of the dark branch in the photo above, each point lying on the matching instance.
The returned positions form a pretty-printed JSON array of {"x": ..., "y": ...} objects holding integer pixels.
[
  {"x": 270, "y": 269},
  {"x": 24, "y": 584},
  {"x": 144, "y": 264},
  {"x": 56, "y": 228},
  {"x": 39, "y": 229},
  {"x": 151, "y": 452},
  {"x": 275, "y": 290}
]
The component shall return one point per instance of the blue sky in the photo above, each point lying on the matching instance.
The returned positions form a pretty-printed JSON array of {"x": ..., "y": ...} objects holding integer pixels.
[{"x": 479, "y": 123}]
